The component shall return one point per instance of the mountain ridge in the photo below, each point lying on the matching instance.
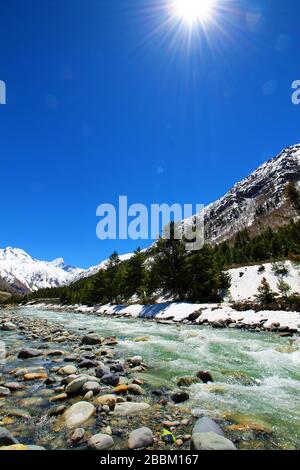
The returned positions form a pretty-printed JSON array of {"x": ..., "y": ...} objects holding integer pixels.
[{"x": 257, "y": 201}]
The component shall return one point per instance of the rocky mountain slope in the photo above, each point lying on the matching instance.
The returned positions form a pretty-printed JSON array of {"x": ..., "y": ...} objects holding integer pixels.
[{"x": 255, "y": 203}]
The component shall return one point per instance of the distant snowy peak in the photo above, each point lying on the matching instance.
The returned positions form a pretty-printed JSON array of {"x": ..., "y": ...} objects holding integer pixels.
[
  {"x": 25, "y": 273},
  {"x": 257, "y": 201}
]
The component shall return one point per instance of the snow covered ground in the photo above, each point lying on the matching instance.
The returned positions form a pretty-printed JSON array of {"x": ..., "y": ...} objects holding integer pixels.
[
  {"x": 180, "y": 312},
  {"x": 245, "y": 281}
]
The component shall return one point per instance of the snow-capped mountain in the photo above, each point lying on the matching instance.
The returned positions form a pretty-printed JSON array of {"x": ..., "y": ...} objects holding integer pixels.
[
  {"x": 25, "y": 273},
  {"x": 257, "y": 202}
]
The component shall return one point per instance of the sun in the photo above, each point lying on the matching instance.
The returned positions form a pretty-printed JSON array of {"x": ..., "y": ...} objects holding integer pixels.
[{"x": 193, "y": 11}]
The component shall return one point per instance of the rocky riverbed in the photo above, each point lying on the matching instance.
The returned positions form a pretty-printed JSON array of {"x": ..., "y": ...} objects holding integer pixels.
[{"x": 67, "y": 389}]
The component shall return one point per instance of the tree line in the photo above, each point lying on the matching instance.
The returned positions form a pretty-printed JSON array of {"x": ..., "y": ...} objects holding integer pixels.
[{"x": 168, "y": 270}]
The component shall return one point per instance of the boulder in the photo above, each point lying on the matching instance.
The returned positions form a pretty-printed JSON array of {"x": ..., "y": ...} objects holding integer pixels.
[
  {"x": 135, "y": 389},
  {"x": 78, "y": 414},
  {"x": 4, "y": 392},
  {"x": 67, "y": 370},
  {"x": 100, "y": 442},
  {"x": 130, "y": 408},
  {"x": 207, "y": 425},
  {"x": 211, "y": 441},
  {"x": 6, "y": 438},
  {"x": 91, "y": 339},
  {"x": 140, "y": 438},
  {"x": 93, "y": 387},
  {"x": 28, "y": 353},
  {"x": 75, "y": 386},
  {"x": 8, "y": 326},
  {"x": 108, "y": 400},
  {"x": 110, "y": 379},
  {"x": 204, "y": 376},
  {"x": 180, "y": 397}
]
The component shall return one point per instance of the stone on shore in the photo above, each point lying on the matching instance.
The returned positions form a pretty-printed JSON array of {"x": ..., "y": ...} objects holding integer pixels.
[
  {"x": 130, "y": 408},
  {"x": 108, "y": 400},
  {"x": 207, "y": 435},
  {"x": 78, "y": 414},
  {"x": 100, "y": 442},
  {"x": 67, "y": 370},
  {"x": 8, "y": 326},
  {"x": 4, "y": 392},
  {"x": 206, "y": 424},
  {"x": 75, "y": 386},
  {"x": 6, "y": 438},
  {"x": 91, "y": 339},
  {"x": 93, "y": 387},
  {"x": 211, "y": 441},
  {"x": 140, "y": 438},
  {"x": 28, "y": 353}
]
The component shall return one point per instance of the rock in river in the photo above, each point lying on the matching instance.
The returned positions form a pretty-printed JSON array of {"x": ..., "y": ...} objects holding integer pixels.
[
  {"x": 207, "y": 435},
  {"x": 139, "y": 438},
  {"x": 100, "y": 442},
  {"x": 180, "y": 397},
  {"x": 91, "y": 387},
  {"x": 110, "y": 379},
  {"x": 8, "y": 326},
  {"x": 78, "y": 414},
  {"x": 67, "y": 370},
  {"x": 109, "y": 400},
  {"x": 28, "y": 353},
  {"x": 75, "y": 386},
  {"x": 207, "y": 425},
  {"x": 211, "y": 441},
  {"x": 130, "y": 408},
  {"x": 204, "y": 376},
  {"x": 6, "y": 438},
  {"x": 91, "y": 339},
  {"x": 4, "y": 392}
]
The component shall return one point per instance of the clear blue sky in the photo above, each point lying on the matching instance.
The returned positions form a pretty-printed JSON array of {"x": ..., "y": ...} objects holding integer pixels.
[{"x": 104, "y": 98}]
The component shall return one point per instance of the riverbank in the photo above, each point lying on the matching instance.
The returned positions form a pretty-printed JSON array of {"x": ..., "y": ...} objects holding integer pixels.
[
  {"x": 223, "y": 315},
  {"x": 75, "y": 391},
  {"x": 46, "y": 359}
]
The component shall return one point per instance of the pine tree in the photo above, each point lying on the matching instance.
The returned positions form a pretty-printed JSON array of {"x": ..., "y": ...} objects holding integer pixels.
[
  {"x": 284, "y": 288},
  {"x": 265, "y": 294}
]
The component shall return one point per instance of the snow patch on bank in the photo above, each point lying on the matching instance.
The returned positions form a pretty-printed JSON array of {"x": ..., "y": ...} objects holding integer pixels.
[
  {"x": 180, "y": 312},
  {"x": 246, "y": 280}
]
